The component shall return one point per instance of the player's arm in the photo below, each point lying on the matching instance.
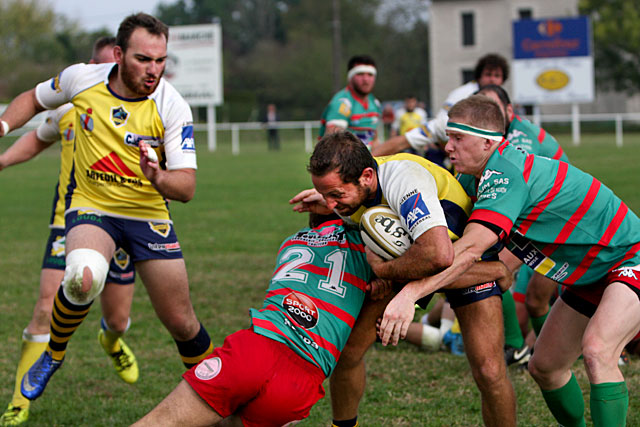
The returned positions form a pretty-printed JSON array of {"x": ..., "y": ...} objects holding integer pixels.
[
  {"x": 175, "y": 184},
  {"x": 333, "y": 128},
  {"x": 310, "y": 201},
  {"x": 429, "y": 254},
  {"x": 20, "y": 111},
  {"x": 392, "y": 145},
  {"x": 400, "y": 311},
  {"x": 25, "y": 148}
]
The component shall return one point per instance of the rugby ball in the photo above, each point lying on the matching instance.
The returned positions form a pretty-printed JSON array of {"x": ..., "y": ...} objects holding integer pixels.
[{"x": 383, "y": 233}]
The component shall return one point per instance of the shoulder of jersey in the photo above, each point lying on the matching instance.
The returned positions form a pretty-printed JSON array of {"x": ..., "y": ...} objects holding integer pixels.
[{"x": 383, "y": 233}]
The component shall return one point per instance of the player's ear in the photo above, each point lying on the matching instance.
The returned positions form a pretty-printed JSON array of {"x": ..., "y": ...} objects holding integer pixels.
[
  {"x": 367, "y": 176},
  {"x": 118, "y": 54},
  {"x": 510, "y": 112}
]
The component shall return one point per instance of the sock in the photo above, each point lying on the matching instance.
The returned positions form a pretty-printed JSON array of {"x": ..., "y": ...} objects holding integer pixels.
[
  {"x": 110, "y": 338},
  {"x": 195, "y": 349},
  {"x": 537, "y": 322},
  {"x": 566, "y": 403},
  {"x": 66, "y": 318},
  {"x": 455, "y": 327},
  {"x": 445, "y": 326},
  {"x": 346, "y": 423},
  {"x": 32, "y": 347},
  {"x": 609, "y": 404},
  {"x": 512, "y": 333}
]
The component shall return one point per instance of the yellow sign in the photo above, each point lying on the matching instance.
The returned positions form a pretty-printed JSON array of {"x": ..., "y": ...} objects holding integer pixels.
[{"x": 552, "y": 79}]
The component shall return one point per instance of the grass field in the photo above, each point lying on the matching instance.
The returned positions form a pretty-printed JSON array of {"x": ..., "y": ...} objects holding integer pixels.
[{"x": 229, "y": 234}]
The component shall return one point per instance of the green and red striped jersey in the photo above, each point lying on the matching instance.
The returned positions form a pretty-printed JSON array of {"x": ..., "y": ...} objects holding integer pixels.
[
  {"x": 316, "y": 293},
  {"x": 559, "y": 220}
]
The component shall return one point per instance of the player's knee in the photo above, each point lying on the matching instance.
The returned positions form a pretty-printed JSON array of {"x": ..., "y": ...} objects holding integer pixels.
[
  {"x": 83, "y": 263},
  {"x": 597, "y": 354},
  {"x": 542, "y": 373},
  {"x": 489, "y": 372}
]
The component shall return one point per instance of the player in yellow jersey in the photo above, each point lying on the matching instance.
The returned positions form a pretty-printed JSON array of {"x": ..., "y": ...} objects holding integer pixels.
[
  {"x": 116, "y": 298},
  {"x": 117, "y": 193},
  {"x": 433, "y": 208}
]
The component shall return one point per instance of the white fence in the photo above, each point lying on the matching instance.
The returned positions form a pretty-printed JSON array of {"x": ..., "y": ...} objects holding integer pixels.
[{"x": 575, "y": 119}]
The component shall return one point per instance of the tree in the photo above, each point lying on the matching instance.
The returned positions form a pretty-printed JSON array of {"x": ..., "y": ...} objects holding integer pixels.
[{"x": 616, "y": 36}]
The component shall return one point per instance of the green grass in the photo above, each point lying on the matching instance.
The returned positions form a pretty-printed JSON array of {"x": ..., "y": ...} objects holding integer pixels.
[{"x": 229, "y": 234}]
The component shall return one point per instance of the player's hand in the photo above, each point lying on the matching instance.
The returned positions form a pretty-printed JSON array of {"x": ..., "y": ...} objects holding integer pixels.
[
  {"x": 149, "y": 167},
  {"x": 396, "y": 319},
  {"x": 506, "y": 280},
  {"x": 310, "y": 201},
  {"x": 379, "y": 288},
  {"x": 375, "y": 261}
]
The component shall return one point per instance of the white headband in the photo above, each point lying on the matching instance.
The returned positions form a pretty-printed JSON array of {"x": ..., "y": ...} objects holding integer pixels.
[
  {"x": 475, "y": 131},
  {"x": 360, "y": 69}
]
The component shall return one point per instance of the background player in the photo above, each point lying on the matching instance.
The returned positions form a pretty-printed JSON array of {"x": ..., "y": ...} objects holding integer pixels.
[
  {"x": 115, "y": 299},
  {"x": 272, "y": 373},
  {"x": 354, "y": 108},
  {"x": 123, "y": 110}
]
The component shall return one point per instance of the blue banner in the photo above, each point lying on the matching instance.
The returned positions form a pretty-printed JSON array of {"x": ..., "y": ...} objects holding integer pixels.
[{"x": 551, "y": 38}]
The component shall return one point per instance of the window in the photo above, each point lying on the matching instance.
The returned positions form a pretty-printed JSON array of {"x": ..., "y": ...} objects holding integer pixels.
[
  {"x": 467, "y": 76},
  {"x": 468, "y": 30},
  {"x": 525, "y": 13}
]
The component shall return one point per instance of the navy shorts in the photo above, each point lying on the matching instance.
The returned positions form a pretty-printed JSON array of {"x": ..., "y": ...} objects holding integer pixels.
[
  {"x": 464, "y": 296},
  {"x": 121, "y": 269},
  {"x": 143, "y": 240}
]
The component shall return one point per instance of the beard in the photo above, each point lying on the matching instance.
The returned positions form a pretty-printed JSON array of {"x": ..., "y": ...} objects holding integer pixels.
[
  {"x": 364, "y": 193},
  {"x": 135, "y": 83}
]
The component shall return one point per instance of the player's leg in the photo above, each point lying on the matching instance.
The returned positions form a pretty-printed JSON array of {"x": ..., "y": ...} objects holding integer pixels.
[
  {"x": 34, "y": 342},
  {"x": 168, "y": 288},
  {"x": 87, "y": 249},
  {"x": 115, "y": 301},
  {"x": 539, "y": 293},
  {"x": 482, "y": 330},
  {"x": 615, "y": 322},
  {"x": 557, "y": 348},
  {"x": 183, "y": 406},
  {"x": 348, "y": 379}
]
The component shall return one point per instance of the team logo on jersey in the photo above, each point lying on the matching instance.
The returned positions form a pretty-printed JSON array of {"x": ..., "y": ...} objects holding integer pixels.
[
  {"x": 302, "y": 309},
  {"x": 160, "y": 228},
  {"x": 133, "y": 140},
  {"x": 57, "y": 247},
  {"x": 68, "y": 133},
  {"x": 55, "y": 84},
  {"x": 121, "y": 258},
  {"x": 345, "y": 107},
  {"x": 119, "y": 116},
  {"x": 86, "y": 121},
  {"x": 188, "y": 143},
  {"x": 488, "y": 173},
  {"x": 114, "y": 164},
  {"x": 413, "y": 209},
  {"x": 208, "y": 369},
  {"x": 515, "y": 134}
]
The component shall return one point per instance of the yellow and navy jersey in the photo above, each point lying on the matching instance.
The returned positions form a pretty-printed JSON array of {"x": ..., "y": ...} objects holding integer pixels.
[
  {"x": 59, "y": 126},
  {"x": 106, "y": 176},
  {"x": 423, "y": 194}
]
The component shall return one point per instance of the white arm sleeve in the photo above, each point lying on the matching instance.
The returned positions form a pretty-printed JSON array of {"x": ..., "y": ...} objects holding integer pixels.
[
  {"x": 412, "y": 193},
  {"x": 431, "y": 132},
  {"x": 60, "y": 89},
  {"x": 49, "y": 131}
]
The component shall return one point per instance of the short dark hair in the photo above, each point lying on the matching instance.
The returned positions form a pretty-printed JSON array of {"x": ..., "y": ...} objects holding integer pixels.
[
  {"x": 479, "y": 111},
  {"x": 499, "y": 91},
  {"x": 360, "y": 60},
  {"x": 344, "y": 152},
  {"x": 492, "y": 60},
  {"x": 140, "y": 20},
  {"x": 100, "y": 44}
]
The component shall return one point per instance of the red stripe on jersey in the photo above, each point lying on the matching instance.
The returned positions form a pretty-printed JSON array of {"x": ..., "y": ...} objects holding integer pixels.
[
  {"x": 360, "y": 116},
  {"x": 265, "y": 324},
  {"x": 364, "y": 102},
  {"x": 492, "y": 217},
  {"x": 347, "y": 278},
  {"x": 334, "y": 310},
  {"x": 528, "y": 165},
  {"x": 118, "y": 161},
  {"x": 630, "y": 254},
  {"x": 595, "y": 249},
  {"x": 577, "y": 216},
  {"x": 329, "y": 346},
  {"x": 502, "y": 145},
  {"x": 558, "y": 154},
  {"x": 540, "y": 207},
  {"x": 541, "y": 135}
]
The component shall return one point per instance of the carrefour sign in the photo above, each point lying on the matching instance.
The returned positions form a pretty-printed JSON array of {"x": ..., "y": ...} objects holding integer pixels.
[{"x": 552, "y": 61}]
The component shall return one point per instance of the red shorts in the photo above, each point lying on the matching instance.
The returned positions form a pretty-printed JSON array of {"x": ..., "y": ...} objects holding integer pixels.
[
  {"x": 585, "y": 299},
  {"x": 258, "y": 379}
]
